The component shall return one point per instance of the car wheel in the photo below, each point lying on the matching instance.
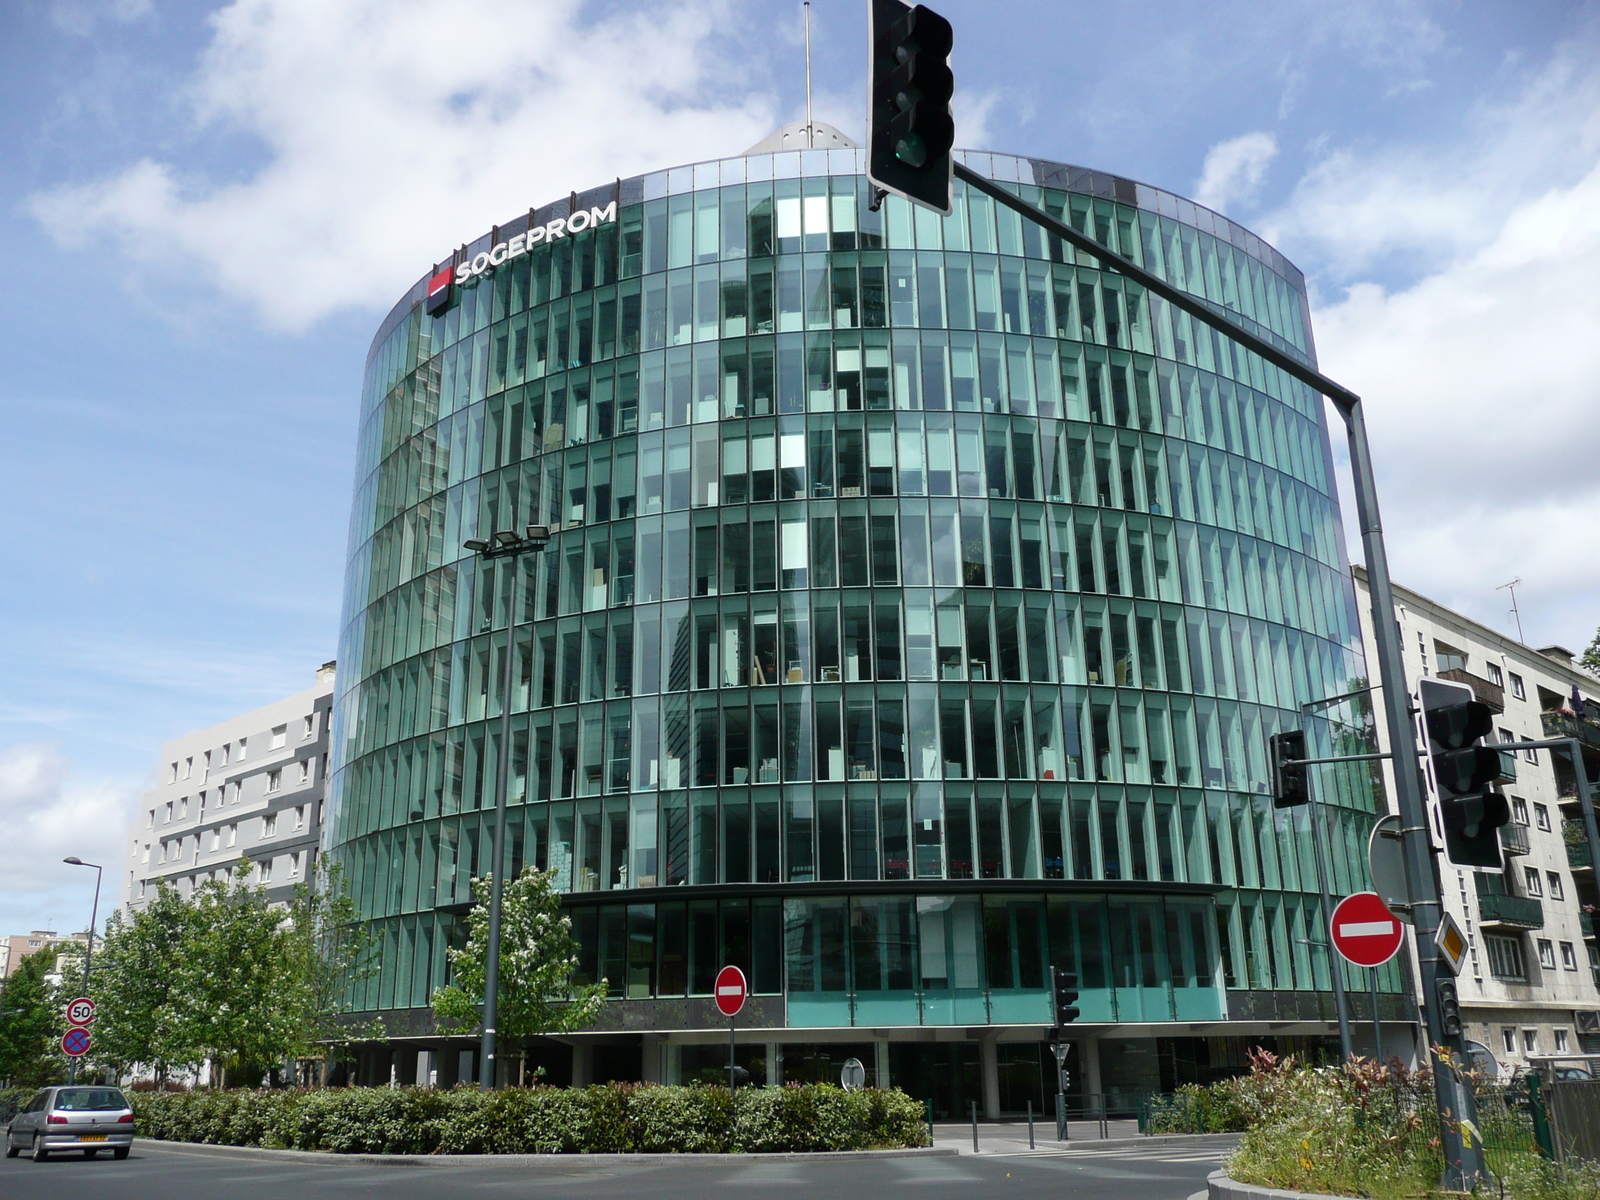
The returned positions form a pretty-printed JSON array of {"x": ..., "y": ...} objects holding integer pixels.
[
  {"x": 119, "y": 1153},
  {"x": 40, "y": 1154}
]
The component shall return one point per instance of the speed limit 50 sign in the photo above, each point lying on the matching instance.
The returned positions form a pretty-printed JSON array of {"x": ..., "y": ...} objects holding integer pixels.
[{"x": 80, "y": 1011}]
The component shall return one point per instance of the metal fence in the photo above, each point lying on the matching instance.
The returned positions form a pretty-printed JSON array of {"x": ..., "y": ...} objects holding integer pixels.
[{"x": 1573, "y": 1106}]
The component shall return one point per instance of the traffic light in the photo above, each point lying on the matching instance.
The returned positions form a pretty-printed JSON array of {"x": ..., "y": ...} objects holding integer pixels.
[
  {"x": 1449, "y": 1007},
  {"x": 1465, "y": 770},
  {"x": 909, "y": 85},
  {"x": 1065, "y": 986},
  {"x": 1289, "y": 783}
]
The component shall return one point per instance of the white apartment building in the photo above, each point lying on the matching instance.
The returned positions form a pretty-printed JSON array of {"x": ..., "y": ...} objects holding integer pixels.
[
  {"x": 1531, "y": 985},
  {"x": 250, "y": 787}
]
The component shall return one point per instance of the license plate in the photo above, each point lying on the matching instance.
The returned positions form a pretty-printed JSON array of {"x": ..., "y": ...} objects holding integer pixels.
[{"x": 91, "y": 1137}]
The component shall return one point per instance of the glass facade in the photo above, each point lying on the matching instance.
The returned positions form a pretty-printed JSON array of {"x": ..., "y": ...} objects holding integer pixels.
[{"x": 920, "y": 602}]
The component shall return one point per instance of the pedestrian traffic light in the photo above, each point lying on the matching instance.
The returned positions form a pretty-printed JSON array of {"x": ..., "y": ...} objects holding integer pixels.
[
  {"x": 1465, "y": 771},
  {"x": 1289, "y": 783},
  {"x": 909, "y": 128},
  {"x": 1065, "y": 985},
  {"x": 1449, "y": 1007}
]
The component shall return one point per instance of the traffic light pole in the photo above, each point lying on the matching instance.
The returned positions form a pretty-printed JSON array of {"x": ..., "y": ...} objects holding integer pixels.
[{"x": 1457, "y": 1109}]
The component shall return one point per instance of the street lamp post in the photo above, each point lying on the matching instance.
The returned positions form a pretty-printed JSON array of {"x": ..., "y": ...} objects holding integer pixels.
[
  {"x": 504, "y": 544},
  {"x": 88, "y": 953}
]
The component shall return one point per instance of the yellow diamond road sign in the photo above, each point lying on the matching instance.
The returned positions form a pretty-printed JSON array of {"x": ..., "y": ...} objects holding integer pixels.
[{"x": 1451, "y": 944}]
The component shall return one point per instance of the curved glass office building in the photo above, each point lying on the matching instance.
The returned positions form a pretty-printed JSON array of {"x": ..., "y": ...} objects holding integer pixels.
[{"x": 920, "y": 602}]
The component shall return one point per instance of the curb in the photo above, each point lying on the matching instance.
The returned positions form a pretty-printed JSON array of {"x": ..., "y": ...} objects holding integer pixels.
[
  {"x": 1220, "y": 1187},
  {"x": 325, "y": 1157}
]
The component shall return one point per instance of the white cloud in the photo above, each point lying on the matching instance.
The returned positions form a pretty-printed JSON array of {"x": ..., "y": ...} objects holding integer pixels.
[
  {"x": 1234, "y": 169},
  {"x": 80, "y": 18},
  {"x": 393, "y": 130},
  {"x": 1481, "y": 375},
  {"x": 47, "y": 815}
]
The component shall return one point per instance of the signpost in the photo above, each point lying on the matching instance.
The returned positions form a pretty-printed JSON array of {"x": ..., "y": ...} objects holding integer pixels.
[
  {"x": 75, "y": 1042},
  {"x": 730, "y": 991},
  {"x": 80, "y": 1011},
  {"x": 1387, "y": 861}
]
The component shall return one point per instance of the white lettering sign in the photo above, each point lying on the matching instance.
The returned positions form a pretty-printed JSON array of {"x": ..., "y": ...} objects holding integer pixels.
[{"x": 522, "y": 243}]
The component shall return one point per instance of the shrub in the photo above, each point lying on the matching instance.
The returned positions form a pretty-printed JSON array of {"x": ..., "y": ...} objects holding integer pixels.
[{"x": 618, "y": 1117}]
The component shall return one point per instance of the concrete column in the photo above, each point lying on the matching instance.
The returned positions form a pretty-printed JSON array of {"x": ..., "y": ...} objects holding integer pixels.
[
  {"x": 774, "y": 1064},
  {"x": 582, "y": 1064},
  {"x": 1090, "y": 1049},
  {"x": 425, "y": 1068},
  {"x": 880, "y": 1074},
  {"x": 652, "y": 1051},
  {"x": 991, "y": 1077}
]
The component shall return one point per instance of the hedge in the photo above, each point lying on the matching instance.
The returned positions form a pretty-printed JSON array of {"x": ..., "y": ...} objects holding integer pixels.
[{"x": 614, "y": 1118}]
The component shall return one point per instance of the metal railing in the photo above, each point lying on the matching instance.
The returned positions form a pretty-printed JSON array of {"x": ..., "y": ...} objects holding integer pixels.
[
  {"x": 1489, "y": 693},
  {"x": 1562, "y": 724},
  {"x": 1514, "y": 839}
]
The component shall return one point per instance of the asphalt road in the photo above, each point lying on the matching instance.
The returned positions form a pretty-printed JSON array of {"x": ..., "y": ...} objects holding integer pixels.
[{"x": 157, "y": 1172}]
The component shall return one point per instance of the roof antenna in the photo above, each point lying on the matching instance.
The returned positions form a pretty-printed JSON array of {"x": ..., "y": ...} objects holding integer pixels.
[
  {"x": 1513, "y": 585},
  {"x": 811, "y": 132}
]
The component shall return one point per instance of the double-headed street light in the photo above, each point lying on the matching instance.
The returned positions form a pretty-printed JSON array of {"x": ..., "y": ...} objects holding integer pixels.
[
  {"x": 504, "y": 543},
  {"x": 88, "y": 953}
]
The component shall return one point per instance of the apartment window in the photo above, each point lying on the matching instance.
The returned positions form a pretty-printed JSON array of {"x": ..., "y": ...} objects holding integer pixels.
[
  {"x": 1594, "y": 961},
  {"x": 1495, "y": 677},
  {"x": 280, "y": 737},
  {"x": 1505, "y": 957},
  {"x": 300, "y": 817},
  {"x": 1557, "y": 892},
  {"x": 1535, "y": 884},
  {"x": 1518, "y": 689},
  {"x": 151, "y": 822},
  {"x": 1561, "y": 1041},
  {"x": 265, "y": 870},
  {"x": 188, "y": 767},
  {"x": 309, "y": 727},
  {"x": 1547, "y": 954},
  {"x": 244, "y": 744},
  {"x": 305, "y": 770},
  {"x": 1519, "y": 810},
  {"x": 1569, "y": 956},
  {"x": 1422, "y": 649},
  {"x": 172, "y": 773},
  {"x": 226, "y": 746},
  {"x": 1450, "y": 659},
  {"x": 163, "y": 857},
  {"x": 274, "y": 780},
  {"x": 145, "y": 857},
  {"x": 1530, "y": 1041},
  {"x": 294, "y": 863},
  {"x": 208, "y": 760},
  {"x": 141, "y": 889},
  {"x": 216, "y": 838},
  {"x": 269, "y": 825},
  {"x": 232, "y": 834},
  {"x": 1541, "y": 815},
  {"x": 183, "y": 807},
  {"x": 168, "y": 816}
]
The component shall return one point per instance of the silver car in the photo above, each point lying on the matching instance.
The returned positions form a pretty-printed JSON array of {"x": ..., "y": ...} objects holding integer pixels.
[{"x": 90, "y": 1119}]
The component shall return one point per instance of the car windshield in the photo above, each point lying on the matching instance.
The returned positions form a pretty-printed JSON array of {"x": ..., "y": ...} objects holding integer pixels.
[{"x": 89, "y": 1100}]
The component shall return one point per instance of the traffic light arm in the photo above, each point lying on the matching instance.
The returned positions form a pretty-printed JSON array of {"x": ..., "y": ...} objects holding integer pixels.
[{"x": 1193, "y": 305}]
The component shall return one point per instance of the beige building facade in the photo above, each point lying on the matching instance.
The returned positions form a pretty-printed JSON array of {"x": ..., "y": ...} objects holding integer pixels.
[{"x": 1531, "y": 984}]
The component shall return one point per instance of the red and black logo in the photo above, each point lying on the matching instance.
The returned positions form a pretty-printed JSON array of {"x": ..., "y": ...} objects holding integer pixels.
[{"x": 439, "y": 290}]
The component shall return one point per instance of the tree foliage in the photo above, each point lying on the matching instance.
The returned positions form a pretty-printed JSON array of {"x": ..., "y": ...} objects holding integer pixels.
[
  {"x": 138, "y": 1018},
  {"x": 1590, "y": 659},
  {"x": 330, "y": 952},
  {"x": 537, "y": 959},
  {"x": 30, "y": 1024}
]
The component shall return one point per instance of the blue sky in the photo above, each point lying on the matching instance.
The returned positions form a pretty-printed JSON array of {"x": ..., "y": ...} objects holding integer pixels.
[{"x": 207, "y": 208}]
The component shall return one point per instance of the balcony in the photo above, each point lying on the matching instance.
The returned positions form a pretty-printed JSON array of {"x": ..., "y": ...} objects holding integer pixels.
[
  {"x": 1491, "y": 694},
  {"x": 1510, "y": 912},
  {"x": 1579, "y": 855},
  {"x": 1559, "y": 724},
  {"x": 1514, "y": 838}
]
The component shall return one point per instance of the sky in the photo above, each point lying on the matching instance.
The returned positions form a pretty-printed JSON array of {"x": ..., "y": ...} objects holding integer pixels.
[{"x": 206, "y": 209}]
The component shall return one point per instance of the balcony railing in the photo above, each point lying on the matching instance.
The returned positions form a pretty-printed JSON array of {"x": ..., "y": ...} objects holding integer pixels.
[
  {"x": 1579, "y": 856},
  {"x": 1491, "y": 694},
  {"x": 1514, "y": 838},
  {"x": 1510, "y": 912},
  {"x": 1560, "y": 724}
]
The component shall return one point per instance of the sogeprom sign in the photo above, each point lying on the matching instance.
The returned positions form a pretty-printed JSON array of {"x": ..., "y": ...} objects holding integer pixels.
[{"x": 514, "y": 247}]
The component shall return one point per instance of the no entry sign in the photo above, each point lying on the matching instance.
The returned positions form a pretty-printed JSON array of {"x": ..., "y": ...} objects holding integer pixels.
[
  {"x": 731, "y": 991},
  {"x": 1365, "y": 931}
]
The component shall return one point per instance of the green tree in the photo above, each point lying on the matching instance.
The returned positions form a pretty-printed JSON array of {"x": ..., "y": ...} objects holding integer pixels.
[
  {"x": 241, "y": 997},
  {"x": 1590, "y": 659},
  {"x": 30, "y": 1024},
  {"x": 330, "y": 953},
  {"x": 537, "y": 958},
  {"x": 140, "y": 1016}
]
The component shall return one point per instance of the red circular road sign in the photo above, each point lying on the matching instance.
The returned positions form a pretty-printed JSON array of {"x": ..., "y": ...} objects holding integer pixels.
[
  {"x": 1365, "y": 931},
  {"x": 76, "y": 1042},
  {"x": 731, "y": 990},
  {"x": 80, "y": 1011}
]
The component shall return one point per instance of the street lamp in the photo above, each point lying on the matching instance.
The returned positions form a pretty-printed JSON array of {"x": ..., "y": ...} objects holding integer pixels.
[
  {"x": 88, "y": 953},
  {"x": 505, "y": 543}
]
